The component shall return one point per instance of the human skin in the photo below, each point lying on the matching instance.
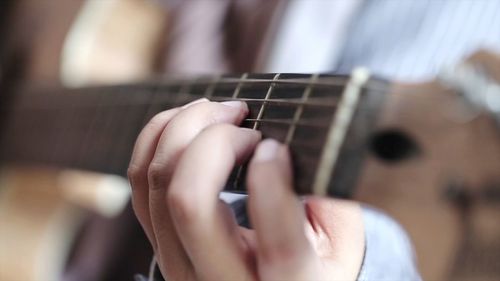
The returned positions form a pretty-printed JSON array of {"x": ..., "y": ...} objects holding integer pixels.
[{"x": 181, "y": 160}]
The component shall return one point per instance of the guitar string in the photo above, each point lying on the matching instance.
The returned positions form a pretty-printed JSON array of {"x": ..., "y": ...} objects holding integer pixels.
[
  {"x": 286, "y": 102},
  {"x": 184, "y": 91},
  {"x": 209, "y": 91},
  {"x": 318, "y": 101},
  {"x": 261, "y": 119},
  {"x": 280, "y": 121},
  {"x": 376, "y": 85},
  {"x": 323, "y": 81},
  {"x": 283, "y": 121},
  {"x": 380, "y": 88},
  {"x": 238, "y": 88},
  {"x": 275, "y": 102}
]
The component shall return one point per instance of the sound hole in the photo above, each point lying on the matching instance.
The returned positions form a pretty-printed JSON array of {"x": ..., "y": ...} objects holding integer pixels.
[{"x": 393, "y": 146}]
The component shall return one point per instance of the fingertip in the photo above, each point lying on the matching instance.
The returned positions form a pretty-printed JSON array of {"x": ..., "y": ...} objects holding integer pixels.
[
  {"x": 275, "y": 156},
  {"x": 236, "y": 104},
  {"x": 194, "y": 102},
  {"x": 267, "y": 151},
  {"x": 270, "y": 167}
]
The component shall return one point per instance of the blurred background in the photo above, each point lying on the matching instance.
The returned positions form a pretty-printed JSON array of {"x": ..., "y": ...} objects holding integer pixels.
[{"x": 75, "y": 225}]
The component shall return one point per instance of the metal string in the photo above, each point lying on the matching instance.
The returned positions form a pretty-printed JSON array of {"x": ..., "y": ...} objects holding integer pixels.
[
  {"x": 286, "y": 122},
  {"x": 323, "y": 81}
]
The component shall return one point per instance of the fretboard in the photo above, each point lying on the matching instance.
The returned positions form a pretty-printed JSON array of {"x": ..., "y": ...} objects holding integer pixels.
[{"x": 95, "y": 128}]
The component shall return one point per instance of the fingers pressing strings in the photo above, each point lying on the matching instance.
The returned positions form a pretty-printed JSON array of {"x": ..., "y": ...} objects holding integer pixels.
[
  {"x": 159, "y": 146},
  {"x": 143, "y": 153}
]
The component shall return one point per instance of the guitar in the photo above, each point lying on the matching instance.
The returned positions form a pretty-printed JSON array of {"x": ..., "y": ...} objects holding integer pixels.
[{"x": 428, "y": 154}]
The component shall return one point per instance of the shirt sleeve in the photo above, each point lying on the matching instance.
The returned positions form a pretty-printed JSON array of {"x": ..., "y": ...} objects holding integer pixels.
[{"x": 389, "y": 254}]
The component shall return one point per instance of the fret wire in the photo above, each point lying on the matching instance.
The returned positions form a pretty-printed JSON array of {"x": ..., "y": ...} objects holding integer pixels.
[
  {"x": 323, "y": 82},
  {"x": 280, "y": 101},
  {"x": 235, "y": 96},
  {"x": 300, "y": 109},
  {"x": 240, "y": 84},
  {"x": 311, "y": 102},
  {"x": 261, "y": 120},
  {"x": 263, "y": 106},
  {"x": 211, "y": 87}
]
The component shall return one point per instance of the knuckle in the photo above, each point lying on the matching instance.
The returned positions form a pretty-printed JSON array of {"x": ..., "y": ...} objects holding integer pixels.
[
  {"x": 157, "y": 175},
  {"x": 215, "y": 112},
  {"x": 135, "y": 174},
  {"x": 159, "y": 121},
  {"x": 201, "y": 108},
  {"x": 156, "y": 122}
]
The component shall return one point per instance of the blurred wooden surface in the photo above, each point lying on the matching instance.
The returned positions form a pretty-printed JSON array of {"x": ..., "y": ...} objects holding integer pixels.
[{"x": 42, "y": 210}]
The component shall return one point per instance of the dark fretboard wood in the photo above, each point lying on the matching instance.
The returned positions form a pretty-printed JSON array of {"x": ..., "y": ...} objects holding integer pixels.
[{"x": 95, "y": 128}]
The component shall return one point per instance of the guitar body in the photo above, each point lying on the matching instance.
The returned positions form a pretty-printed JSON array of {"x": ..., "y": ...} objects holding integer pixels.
[
  {"x": 419, "y": 152},
  {"x": 428, "y": 196}
]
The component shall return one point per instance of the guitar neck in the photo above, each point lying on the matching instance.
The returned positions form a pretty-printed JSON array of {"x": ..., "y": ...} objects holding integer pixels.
[{"x": 95, "y": 128}]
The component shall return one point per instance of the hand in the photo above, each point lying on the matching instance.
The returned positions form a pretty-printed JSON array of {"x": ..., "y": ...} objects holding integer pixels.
[{"x": 180, "y": 163}]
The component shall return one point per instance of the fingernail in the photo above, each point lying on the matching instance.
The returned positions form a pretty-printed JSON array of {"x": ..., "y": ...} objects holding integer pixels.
[
  {"x": 267, "y": 150},
  {"x": 194, "y": 102},
  {"x": 251, "y": 131},
  {"x": 234, "y": 103}
]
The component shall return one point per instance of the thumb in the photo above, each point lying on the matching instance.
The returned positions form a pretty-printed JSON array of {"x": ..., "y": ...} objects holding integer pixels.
[{"x": 277, "y": 215}]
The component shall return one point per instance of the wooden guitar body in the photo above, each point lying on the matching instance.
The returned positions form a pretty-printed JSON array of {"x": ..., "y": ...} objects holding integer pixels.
[
  {"x": 427, "y": 154},
  {"x": 440, "y": 191}
]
